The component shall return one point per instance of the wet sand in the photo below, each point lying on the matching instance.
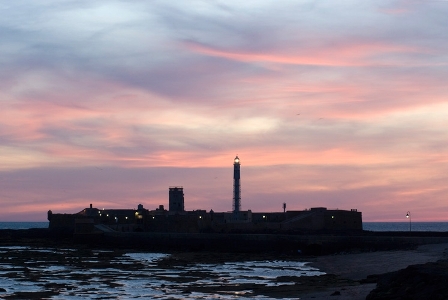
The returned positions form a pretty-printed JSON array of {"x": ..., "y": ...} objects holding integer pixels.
[
  {"x": 357, "y": 267},
  {"x": 347, "y": 274}
]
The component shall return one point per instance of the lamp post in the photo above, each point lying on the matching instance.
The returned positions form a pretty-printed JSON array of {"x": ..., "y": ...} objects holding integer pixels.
[{"x": 408, "y": 215}]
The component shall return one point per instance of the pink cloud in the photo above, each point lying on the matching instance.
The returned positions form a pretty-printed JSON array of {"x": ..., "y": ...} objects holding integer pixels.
[
  {"x": 337, "y": 55},
  {"x": 343, "y": 112}
]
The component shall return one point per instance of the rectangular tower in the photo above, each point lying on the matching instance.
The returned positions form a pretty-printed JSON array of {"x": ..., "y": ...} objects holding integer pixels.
[{"x": 176, "y": 198}]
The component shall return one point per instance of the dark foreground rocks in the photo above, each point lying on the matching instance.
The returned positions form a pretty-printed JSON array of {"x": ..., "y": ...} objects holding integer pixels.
[{"x": 423, "y": 281}]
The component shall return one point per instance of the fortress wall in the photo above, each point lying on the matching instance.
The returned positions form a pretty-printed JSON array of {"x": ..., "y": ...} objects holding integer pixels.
[
  {"x": 62, "y": 222},
  {"x": 342, "y": 220}
]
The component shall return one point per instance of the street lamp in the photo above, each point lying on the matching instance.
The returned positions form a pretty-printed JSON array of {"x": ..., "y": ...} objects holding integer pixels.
[{"x": 408, "y": 215}]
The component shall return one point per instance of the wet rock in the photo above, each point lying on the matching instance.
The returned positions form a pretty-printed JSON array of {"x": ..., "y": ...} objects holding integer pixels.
[
  {"x": 32, "y": 295},
  {"x": 336, "y": 293},
  {"x": 425, "y": 281}
]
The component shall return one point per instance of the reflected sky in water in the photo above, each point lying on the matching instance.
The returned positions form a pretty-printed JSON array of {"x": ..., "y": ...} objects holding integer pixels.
[{"x": 87, "y": 274}]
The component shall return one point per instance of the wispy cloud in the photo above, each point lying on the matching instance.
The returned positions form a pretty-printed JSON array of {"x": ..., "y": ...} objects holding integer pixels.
[{"x": 327, "y": 104}]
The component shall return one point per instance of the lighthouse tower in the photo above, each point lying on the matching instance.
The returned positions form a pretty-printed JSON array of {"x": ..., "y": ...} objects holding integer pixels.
[{"x": 236, "y": 185}]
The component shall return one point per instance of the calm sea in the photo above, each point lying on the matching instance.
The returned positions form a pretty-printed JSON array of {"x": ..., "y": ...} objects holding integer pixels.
[
  {"x": 23, "y": 225},
  {"x": 371, "y": 226},
  {"x": 405, "y": 226}
]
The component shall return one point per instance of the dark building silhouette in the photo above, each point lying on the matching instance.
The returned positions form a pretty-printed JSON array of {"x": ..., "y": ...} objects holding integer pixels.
[
  {"x": 176, "y": 219},
  {"x": 176, "y": 198},
  {"x": 236, "y": 185}
]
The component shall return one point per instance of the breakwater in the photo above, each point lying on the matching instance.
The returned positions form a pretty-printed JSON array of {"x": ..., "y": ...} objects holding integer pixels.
[{"x": 307, "y": 244}]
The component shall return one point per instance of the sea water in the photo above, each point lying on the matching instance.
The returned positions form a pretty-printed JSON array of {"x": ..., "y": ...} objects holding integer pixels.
[
  {"x": 371, "y": 226},
  {"x": 405, "y": 226},
  {"x": 51, "y": 273},
  {"x": 23, "y": 225}
]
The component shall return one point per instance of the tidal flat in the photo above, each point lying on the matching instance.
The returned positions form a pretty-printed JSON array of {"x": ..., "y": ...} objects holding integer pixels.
[
  {"x": 36, "y": 272},
  {"x": 53, "y": 273}
]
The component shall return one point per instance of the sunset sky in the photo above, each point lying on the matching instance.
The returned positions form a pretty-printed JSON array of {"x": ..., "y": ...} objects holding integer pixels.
[{"x": 337, "y": 104}]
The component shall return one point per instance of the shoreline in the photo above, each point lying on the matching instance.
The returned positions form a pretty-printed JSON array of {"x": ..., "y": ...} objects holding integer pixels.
[{"x": 349, "y": 275}]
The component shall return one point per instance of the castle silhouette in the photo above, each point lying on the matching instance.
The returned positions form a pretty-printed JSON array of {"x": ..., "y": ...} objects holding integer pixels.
[{"x": 177, "y": 219}]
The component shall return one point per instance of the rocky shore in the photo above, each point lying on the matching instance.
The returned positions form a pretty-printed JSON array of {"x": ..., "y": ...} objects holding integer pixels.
[
  {"x": 400, "y": 274},
  {"x": 424, "y": 281}
]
